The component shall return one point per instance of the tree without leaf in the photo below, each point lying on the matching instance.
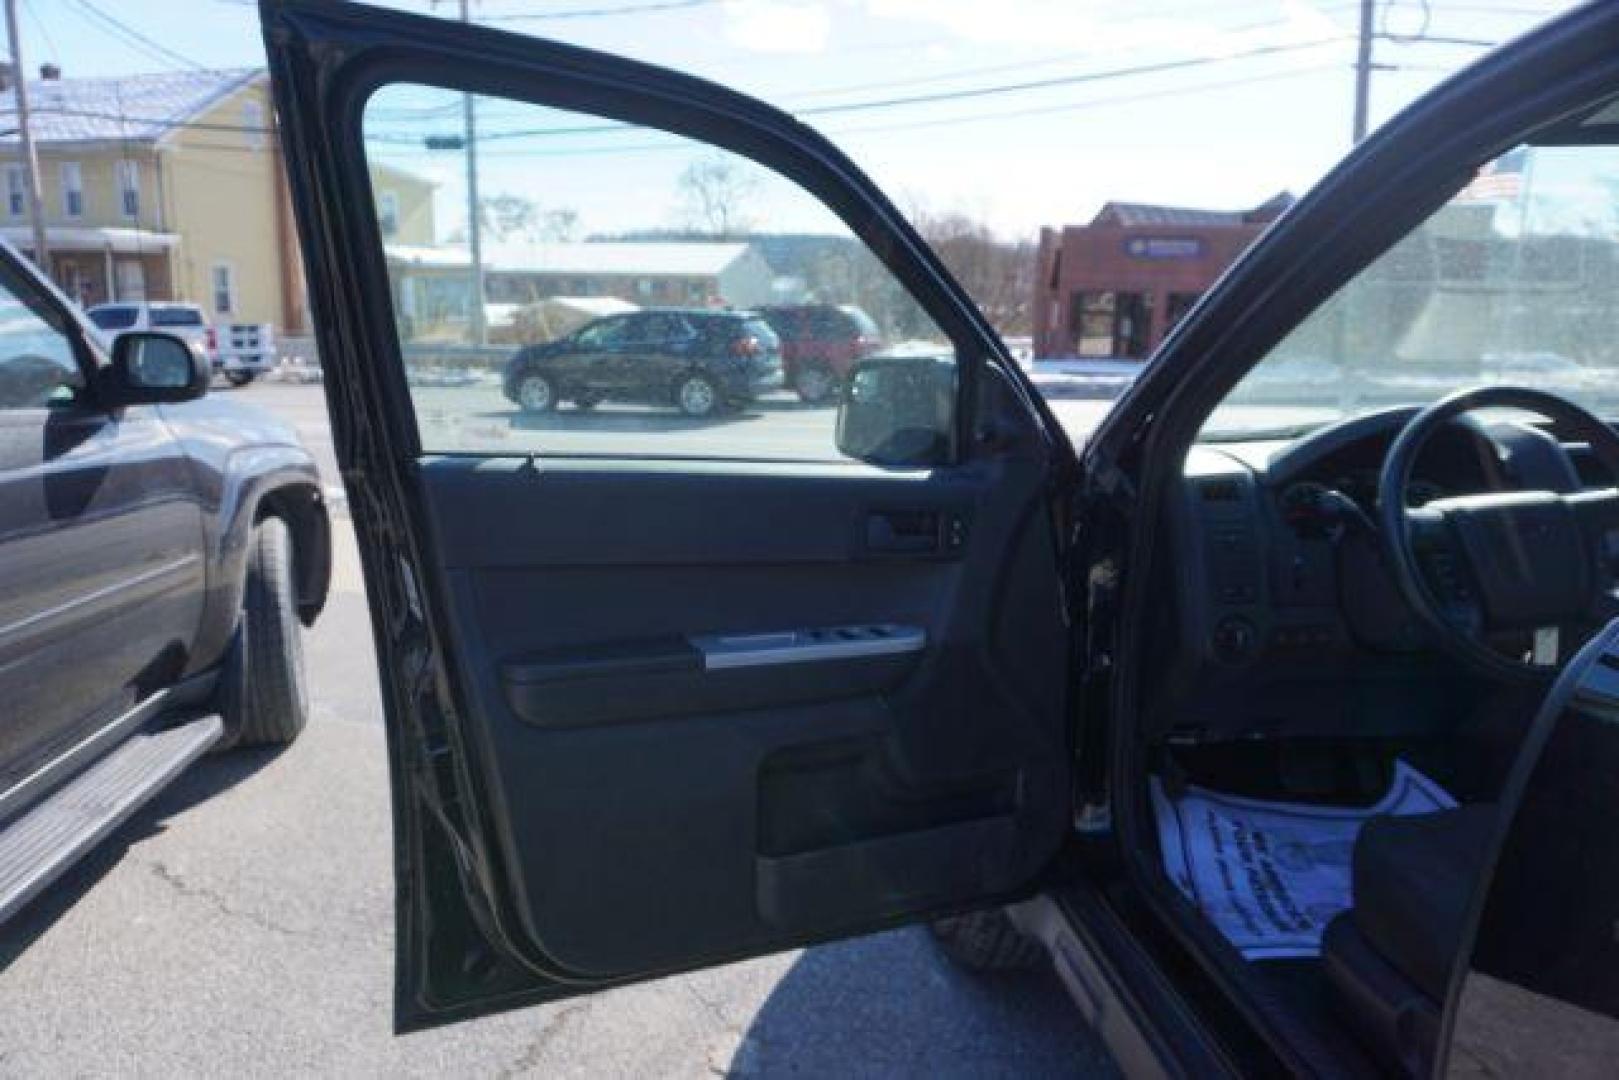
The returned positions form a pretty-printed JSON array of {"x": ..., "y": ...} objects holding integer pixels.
[{"x": 714, "y": 192}]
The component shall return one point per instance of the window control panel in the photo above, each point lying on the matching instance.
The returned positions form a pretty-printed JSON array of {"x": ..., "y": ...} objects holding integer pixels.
[{"x": 852, "y": 642}]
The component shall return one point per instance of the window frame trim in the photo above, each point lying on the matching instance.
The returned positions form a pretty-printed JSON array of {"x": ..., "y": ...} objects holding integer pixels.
[
  {"x": 127, "y": 174},
  {"x": 19, "y": 173},
  {"x": 76, "y": 170},
  {"x": 229, "y": 266}
]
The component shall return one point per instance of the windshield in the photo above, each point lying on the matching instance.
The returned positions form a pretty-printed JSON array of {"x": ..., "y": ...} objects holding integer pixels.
[{"x": 1512, "y": 281}]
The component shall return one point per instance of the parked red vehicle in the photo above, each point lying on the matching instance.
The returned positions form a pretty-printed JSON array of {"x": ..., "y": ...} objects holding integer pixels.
[{"x": 819, "y": 344}]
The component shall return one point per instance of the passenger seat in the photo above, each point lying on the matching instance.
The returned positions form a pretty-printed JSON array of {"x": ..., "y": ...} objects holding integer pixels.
[{"x": 1389, "y": 958}]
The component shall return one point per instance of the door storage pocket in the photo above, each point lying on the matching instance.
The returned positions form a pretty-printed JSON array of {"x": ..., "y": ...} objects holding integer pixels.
[{"x": 830, "y": 886}]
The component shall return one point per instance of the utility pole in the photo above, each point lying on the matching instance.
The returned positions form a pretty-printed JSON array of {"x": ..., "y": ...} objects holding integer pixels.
[
  {"x": 1363, "y": 67},
  {"x": 36, "y": 208},
  {"x": 474, "y": 224}
]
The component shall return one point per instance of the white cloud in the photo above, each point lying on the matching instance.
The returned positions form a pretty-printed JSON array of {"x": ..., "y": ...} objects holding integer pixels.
[{"x": 778, "y": 26}]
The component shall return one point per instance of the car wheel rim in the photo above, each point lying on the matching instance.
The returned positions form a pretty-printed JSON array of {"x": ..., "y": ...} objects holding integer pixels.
[
  {"x": 535, "y": 393},
  {"x": 696, "y": 397}
]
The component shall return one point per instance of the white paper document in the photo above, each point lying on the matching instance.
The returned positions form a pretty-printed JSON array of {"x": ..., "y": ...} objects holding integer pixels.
[{"x": 1271, "y": 875}]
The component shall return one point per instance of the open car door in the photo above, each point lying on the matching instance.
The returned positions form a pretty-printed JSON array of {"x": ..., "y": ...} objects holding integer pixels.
[{"x": 704, "y": 672}]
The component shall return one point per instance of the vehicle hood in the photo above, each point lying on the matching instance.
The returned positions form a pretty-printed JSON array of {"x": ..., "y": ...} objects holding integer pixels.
[{"x": 231, "y": 424}]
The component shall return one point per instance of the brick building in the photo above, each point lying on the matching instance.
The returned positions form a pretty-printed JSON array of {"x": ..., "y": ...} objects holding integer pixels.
[{"x": 1113, "y": 288}]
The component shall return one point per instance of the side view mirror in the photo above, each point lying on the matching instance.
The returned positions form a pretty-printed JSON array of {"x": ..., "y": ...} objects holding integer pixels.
[
  {"x": 899, "y": 411},
  {"x": 149, "y": 368}
]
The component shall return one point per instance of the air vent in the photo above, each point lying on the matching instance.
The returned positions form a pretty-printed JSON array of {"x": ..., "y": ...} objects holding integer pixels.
[{"x": 1221, "y": 491}]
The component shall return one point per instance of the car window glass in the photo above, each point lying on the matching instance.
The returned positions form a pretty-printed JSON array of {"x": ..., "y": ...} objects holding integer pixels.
[
  {"x": 167, "y": 316},
  {"x": 37, "y": 363},
  {"x": 1511, "y": 281},
  {"x": 661, "y": 328},
  {"x": 114, "y": 318},
  {"x": 604, "y": 334},
  {"x": 579, "y": 218},
  {"x": 644, "y": 328},
  {"x": 760, "y": 330},
  {"x": 598, "y": 334}
]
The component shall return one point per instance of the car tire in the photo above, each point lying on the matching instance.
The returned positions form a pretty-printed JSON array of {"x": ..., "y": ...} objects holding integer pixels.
[
  {"x": 698, "y": 396},
  {"x": 239, "y": 378},
  {"x": 536, "y": 393},
  {"x": 815, "y": 384},
  {"x": 983, "y": 942},
  {"x": 265, "y": 698}
]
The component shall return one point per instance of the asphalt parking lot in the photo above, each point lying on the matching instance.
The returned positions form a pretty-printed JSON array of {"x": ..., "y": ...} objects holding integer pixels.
[{"x": 242, "y": 924}]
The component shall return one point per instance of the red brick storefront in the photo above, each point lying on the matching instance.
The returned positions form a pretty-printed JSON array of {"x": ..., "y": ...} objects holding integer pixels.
[{"x": 1113, "y": 288}]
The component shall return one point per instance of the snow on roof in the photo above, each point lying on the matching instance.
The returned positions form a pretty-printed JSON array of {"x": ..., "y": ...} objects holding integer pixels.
[
  {"x": 1137, "y": 215},
  {"x": 667, "y": 259},
  {"x": 594, "y": 305},
  {"x": 698, "y": 260},
  {"x": 1133, "y": 215},
  {"x": 139, "y": 108}
]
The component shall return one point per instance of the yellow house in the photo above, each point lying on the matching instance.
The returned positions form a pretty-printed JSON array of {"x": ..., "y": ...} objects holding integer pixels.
[
  {"x": 404, "y": 205},
  {"x": 171, "y": 187}
]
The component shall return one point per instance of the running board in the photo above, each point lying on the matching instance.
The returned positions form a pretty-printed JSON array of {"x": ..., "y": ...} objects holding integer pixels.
[{"x": 40, "y": 844}]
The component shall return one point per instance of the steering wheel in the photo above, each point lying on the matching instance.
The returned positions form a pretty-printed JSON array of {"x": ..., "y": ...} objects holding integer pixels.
[{"x": 1502, "y": 561}]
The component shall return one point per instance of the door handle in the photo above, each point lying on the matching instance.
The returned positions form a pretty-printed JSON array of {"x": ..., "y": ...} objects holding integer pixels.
[{"x": 903, "y": 532}]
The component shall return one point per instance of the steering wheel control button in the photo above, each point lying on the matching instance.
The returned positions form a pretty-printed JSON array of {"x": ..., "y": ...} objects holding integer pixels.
[{"x": 1503, "y": 560}]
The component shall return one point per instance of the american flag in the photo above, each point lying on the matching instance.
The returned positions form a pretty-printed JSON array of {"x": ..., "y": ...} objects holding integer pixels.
[{"x": 1500, "y": 180}]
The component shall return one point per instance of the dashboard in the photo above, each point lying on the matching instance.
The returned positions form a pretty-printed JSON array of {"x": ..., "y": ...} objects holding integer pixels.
[{"x": 1280, "y": 586}]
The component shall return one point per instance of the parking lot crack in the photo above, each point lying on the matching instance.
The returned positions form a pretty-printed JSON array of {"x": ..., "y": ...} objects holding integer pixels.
[
  {"x": 534, "y": 1053},
  {"x": 183, "y": 887}
]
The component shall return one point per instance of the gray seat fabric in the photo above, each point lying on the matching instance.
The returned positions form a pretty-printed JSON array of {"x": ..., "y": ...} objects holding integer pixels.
[{"x": 1413, "y": 878}]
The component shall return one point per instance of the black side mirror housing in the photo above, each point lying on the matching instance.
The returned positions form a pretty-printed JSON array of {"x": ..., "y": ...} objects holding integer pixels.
[
  {"x": 149, "y": 368},
  {"x": 899, "y": 411}
]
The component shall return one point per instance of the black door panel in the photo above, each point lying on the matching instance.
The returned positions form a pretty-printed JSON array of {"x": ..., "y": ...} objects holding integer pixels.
[
  {"x": 815, "y": 795},
  {"x": 681, "y": 700}
]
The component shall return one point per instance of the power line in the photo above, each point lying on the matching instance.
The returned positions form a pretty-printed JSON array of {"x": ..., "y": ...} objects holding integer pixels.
[
  {"x": 162, "y": 121},
  {"x": 406, "y": 113},
  {"x": 842, "y": 107},
  {"x": 1045, "y": 61},
  {"x": 602, "y": 12},
  {"x": 1436, "y": 39},
  {"x": 1424, "y": 21},
  {"x": 45, "y": 31},
  {"x": 953, "y": 95},
  {"x": 120, "y": 29},
  {"x": 677, "y": 142},
  {"x": 1077, "y": 106}
]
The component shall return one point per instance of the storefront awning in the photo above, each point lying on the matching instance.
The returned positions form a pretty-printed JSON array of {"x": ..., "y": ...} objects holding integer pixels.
[{"x": 92, "y": 238}]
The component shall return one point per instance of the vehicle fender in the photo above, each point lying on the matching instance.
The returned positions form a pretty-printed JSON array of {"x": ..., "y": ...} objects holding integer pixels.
[{"x": 252, "y": 483}]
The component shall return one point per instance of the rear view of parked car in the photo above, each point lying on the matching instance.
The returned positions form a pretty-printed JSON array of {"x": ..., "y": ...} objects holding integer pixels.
[
  {"x": 700, "y": 362},
  {"x": 820, "y": 343}
]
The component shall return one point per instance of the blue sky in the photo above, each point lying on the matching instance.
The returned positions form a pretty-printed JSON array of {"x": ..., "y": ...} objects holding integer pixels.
[{"x": 1270, "y": 109}]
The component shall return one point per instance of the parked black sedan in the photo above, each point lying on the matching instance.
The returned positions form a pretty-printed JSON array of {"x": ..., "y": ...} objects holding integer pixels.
[{"x": 698, "y": 361}]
